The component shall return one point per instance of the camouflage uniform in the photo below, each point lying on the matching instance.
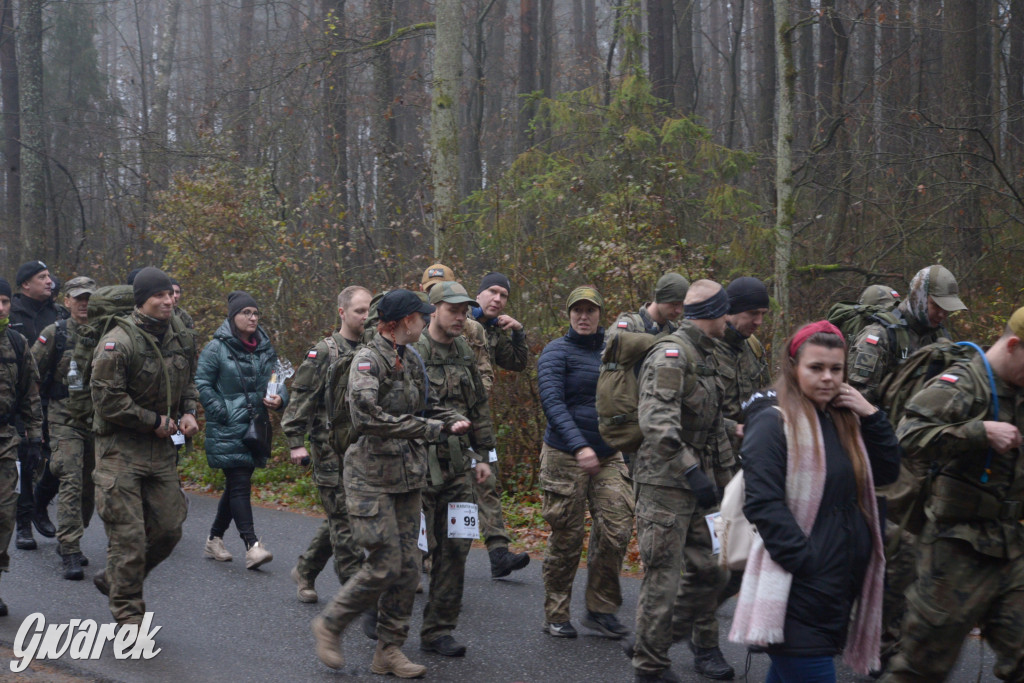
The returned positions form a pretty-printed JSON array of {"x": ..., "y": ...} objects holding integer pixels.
[
  {"x": 19, "y": 398},
  {"x": 73, "y": 458},
  {"x": 456, "y": 383},
  {"x": 509, "y": 352},
  {"x": 971, "y": 568},
  {"x": 742, "y": 370},
  {"x": 138, "y": 493},
  {"x": 677, "y": 388},
  {"x": 307, "y": 414},
  {"x": 384, "y": 472}
]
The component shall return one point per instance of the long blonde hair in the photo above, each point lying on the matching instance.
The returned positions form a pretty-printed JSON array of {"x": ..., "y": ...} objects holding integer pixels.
[{"x": 793, "y": 402}]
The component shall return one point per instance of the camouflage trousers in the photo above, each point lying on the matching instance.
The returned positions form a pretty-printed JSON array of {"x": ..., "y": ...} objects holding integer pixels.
[
  {"x": 140, "y": 500},
  {"x": 666, "y": 519},
  {"x": 8, "y": 499},
  {"x": 387, "y": 526},
  {"x": 568, "y": 491},
  {"x": 900, "y": 572},
  {"x": 333, "y": 538},
  {"x": 704, "y": 587},
  {"x": 492, "y": 520},
  {"x": 72, "y": 462},
  {"x": 958, "y": 588},
  {"x": 447, "y": 555}
]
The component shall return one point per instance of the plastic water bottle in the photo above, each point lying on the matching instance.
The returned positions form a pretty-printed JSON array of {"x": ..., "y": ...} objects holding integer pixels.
[{"x": 74, "y": 378}]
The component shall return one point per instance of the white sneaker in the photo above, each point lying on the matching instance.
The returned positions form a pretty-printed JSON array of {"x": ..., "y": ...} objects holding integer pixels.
[
  {"x": 257, "y": 555},
  {"x": 215, "y": 549}
]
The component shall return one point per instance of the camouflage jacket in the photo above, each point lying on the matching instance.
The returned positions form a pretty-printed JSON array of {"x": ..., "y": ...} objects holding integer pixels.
[
  {"x": 45, "y": 353},
  {"x": 19, "y": 394},
  {"x": 455, "y": 381},
  {"x": 505, "y": 349},
  {"x": 870, "y": 359},
  {"x": 307, "y": 411},
  {"x": 395, "y": 418},
  {"x": 131, "y": 372},
  {"x": 742, "y": 370},
  {"x": 943, "y": 426},
  {"x": 679, "y": 412}
]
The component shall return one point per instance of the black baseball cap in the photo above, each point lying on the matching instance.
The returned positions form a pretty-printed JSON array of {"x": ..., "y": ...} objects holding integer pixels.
[{"x": 399, "y": 303}]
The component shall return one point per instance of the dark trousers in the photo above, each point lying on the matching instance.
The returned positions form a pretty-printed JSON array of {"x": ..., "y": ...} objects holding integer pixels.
[
  {"x": 32, "y": 492},
  {"x": 785, "y": 669},
  {"x": 235, "y": 505}
]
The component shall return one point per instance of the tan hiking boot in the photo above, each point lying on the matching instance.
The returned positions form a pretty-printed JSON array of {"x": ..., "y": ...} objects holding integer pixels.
[
  {"x": 389, "y": 659},
  {"x": 306, "y": 591},
  {"x": 328, "y": 644},
  {"x": 257, "y": 555},
  {"x": 216, "y": 550}
]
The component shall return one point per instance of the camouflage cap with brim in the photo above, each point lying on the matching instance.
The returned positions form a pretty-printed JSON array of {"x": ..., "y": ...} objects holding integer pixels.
[
  {"x": 77, "y": 286},
  {"x": 584, "y": 294},
  {"x": 943, "y": 289},
  {"x": 451, "y": 293}
]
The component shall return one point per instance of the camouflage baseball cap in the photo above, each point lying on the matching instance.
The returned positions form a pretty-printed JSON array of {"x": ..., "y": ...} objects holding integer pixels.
[
  {"x": 77, "y": 286},
  {"x": 451, "y": 293},
  {"x": 879, "y": 295},
  {"x": 436, "y": 273},
  {"x": 584, "y": 294},
  {"x": 942, "y": 288}
]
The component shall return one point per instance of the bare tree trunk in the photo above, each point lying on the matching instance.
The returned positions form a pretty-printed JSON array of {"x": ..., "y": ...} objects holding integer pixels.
[
  {"x": 784, "y": 203},
  {"x": 807, "y": 103},
  {"x": 528, "y": 40},
  {"x": 764, "y": 73},
  {"x": 659, "y": 48},
  {"x": 685, "y": 80},
  {"x": 497, "y": 147},
  {"x": 444, "y": 132},
  {"x": 735, "y": 32},
  {"x": 157, "y": 135},
  {"x": 12, "y": 135},
  {"x": 548, "y": 53},
  {"x": 242, "y": 104},
  {"x": 209, "y": 67},
  {"x": 1015, "y": 84},
  {"x": 34, "y": 224},
  {"x": 383, "y": 121},
  {"x": 335, "y": 119}
]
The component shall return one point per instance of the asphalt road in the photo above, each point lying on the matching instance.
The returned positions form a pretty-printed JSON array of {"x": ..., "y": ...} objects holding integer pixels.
[{"x": 220, "y": 622}]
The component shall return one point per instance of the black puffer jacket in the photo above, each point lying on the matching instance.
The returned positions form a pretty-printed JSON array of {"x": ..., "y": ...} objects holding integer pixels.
[
  {"x": 567, "y": 373},
  {"x": 828, "y": 568}
]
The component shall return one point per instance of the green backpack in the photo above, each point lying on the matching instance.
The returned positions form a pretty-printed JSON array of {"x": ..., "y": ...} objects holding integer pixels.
[
  {"x": 851, "y": 317},
  {"x": 906, "y": 497}
]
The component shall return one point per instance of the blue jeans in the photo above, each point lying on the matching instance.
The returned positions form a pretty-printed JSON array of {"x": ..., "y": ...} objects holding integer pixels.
[{"x": 801, "y": 670}]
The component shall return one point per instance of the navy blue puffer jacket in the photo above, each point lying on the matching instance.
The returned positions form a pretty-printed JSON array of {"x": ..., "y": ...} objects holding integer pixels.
[
  {"x": 224, "y": 399},
  {"x": 567, "y": 373}
]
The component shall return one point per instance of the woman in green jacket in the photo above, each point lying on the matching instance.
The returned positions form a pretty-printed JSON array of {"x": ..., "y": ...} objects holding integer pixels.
[{"x": 234, "y": 369}]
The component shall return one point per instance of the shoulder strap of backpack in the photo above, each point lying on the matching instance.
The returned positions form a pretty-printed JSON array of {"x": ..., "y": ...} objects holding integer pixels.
[
  {"x": 332, "y": 349},
  {"x": 755, "y": 345},
  {"x": 129, "y": 326}
]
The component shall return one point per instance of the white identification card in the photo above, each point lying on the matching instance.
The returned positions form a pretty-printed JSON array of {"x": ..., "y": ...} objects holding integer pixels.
[
  {"x": 492, "y": 455},
  {"x": 17, "y": 486},
  {"x": 178, "y": 439},
  {"x": 716, "y": 547},
  {"x": 462, "y": 521},
  {"x": 422, "y": 542}
]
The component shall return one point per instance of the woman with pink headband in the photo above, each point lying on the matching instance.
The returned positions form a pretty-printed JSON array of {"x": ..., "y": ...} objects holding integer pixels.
[{"x": 813, "y": 451}]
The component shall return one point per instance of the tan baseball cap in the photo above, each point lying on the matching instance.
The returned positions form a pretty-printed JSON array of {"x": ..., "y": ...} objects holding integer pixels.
[
  {"x": 436, "y": 273},
  {"x": 77, "y": 286},
  {"x": 942, "y": 288}
]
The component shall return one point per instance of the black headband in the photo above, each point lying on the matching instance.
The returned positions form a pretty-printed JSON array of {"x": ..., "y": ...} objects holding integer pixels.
[{"x": 715, "y": 306}]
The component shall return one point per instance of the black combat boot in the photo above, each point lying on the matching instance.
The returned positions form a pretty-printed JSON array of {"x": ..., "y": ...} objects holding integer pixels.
[
  {"x": 23, "y": 538},
  {"x": 709, "y": 661},
  {"x": 369, "y": 624},
  {"x": 72, "y": 567},
  {"x": 41, "y": 521},
  {"x": 3, "y": 609},
  {"x": 100, "y": 581},
  {"x": 504, "y": 563}
]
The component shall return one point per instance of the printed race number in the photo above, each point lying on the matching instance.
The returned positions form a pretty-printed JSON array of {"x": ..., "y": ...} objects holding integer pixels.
[{"x": 462, "y": 522}]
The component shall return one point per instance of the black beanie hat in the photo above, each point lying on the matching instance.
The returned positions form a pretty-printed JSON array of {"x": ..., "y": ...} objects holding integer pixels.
[
  {"x": 237, "y": 301},
  {"x": 5, "y": 288},
  {"x": 131, "y": 276},
  {"x": 747, "y": 294},
  {"x": 492, "y": 279},
  {"x": 27, "y": 270},
  {"x": 149, "y": 281}
]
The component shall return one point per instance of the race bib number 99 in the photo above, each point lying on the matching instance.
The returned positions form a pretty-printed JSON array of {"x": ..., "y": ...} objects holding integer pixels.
[{"x": 462, "y": 521}]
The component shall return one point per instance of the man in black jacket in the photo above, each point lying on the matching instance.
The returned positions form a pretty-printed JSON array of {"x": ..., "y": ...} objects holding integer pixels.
[{"x": 31, "y": 310}]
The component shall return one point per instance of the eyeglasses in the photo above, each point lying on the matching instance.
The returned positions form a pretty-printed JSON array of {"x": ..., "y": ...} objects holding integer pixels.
[{"x": 250, "y": 314}]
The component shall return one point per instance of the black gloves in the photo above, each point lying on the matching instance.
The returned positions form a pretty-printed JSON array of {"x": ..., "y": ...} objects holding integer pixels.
[{"x": 707, "y": 496}]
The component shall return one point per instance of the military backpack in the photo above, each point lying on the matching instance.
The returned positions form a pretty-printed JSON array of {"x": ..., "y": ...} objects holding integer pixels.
[
  {"x": 906, "y": 497},
  {"x": 851, "y": 318},
  {"x": 19, "y": 345}
]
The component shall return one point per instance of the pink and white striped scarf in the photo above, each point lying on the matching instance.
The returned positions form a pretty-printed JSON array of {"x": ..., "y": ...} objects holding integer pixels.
[{"x": 761, "y": 607}]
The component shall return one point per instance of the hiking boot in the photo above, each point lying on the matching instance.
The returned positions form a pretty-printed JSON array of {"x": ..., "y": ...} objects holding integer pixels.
[
  {"x": 628, "y": 645},
  {"x": 606, "y": 623},
  {"x": 445, "y": 645},
  {"x": 368, "y": 622},
  {"x": 72, "y": 567},
  {"x": 328, "y": 644},
  {"x": 389, "y": 659},
  {"x": 504, "y": 563},
  {"x": 3, "y": 609},
  {"x": 709, "y": 662},
  {"x": 306, "y": 591},
  {"x": 100, "y": 581},
  {"x": 663, "y": 676},
  {"x": 215, "y": 550},
  {"x": 23, "y": 539},
  {"x": 257, "y": 555},
  {"x": 562, "y": 629},
  {"x": 42, "y": 523},
  {"x": 82, "y": 559}
]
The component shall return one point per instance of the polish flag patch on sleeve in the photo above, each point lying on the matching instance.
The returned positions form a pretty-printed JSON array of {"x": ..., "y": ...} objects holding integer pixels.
[
  {"x": 42, "y": 339},
  {"x": 872, "y": 339},
  {"x": 364, "y": 366},
  {"x": 622, "y": 324},
  {"x": 109, "y": 346},
  {"x": 952, "y": 379},
  {"x": 671, "y": 353},
  {"x": 311, "y": 354}
]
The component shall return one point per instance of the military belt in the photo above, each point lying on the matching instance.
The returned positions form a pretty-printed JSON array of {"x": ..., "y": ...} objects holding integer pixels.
[{"x": 619, "y": 419}]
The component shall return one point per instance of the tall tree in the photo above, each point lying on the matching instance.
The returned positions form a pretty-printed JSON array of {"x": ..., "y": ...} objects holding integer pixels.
[
  {"x": 685, "y": 73},
  {"x": 335, "y": 114},
  {"x": 12, "y": 134},
  {"x": 784, "y": 186},
  {"x": 1015, "y": 83},
  {"x": 659, "y": 48},
  {"x": 156, "y": 137},
  {"x": 444, "y": 133},
  {"x": 34, "y": 226},
  {"x": 383, "y": 120},
  {"x": 527, "y": 82}
]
